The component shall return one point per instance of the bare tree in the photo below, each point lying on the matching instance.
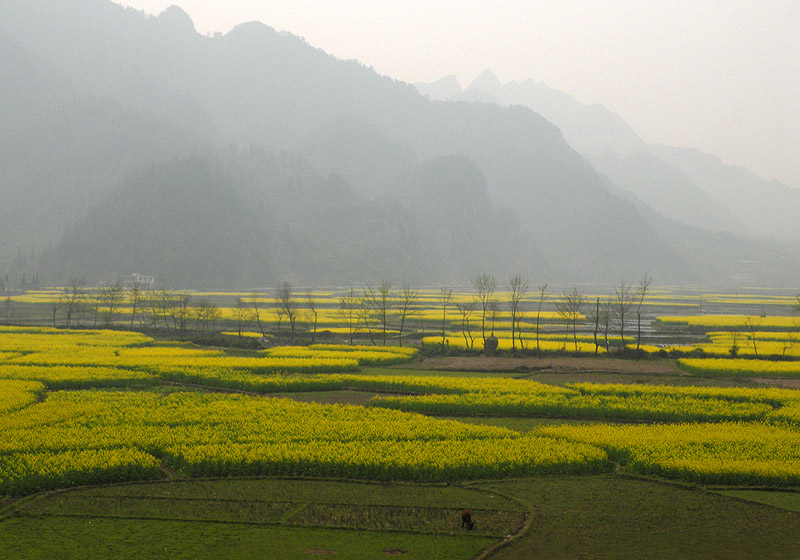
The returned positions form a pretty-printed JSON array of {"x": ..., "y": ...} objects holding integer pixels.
[
  {"x": 287, "y": 306},
  {"x": 367, "y": 311},
  {"x": 277, "y": 312},
  {"x": 569, "y": 308},
  {"x": 789, "y": 342},
  {"x": 111, "y": 297},
  {"x": 641, "y": 293},
  {"x": 796, "y": 305},
  {"x": 166, "y": 301},
  {"x": 606, "y": 313},
  {"x": 381, "y": 304},
  {"x": 311, "y": 305},
  {"x": 466, "y": 310},
  {"x": 255, "y": 302},
  {"x": 445, "y": 295},
  {"x": 73, "y": 299},
  {"x": 240, "y": 314},
  {"x": 596, "y": 317},
  {"x": 179, "y": 310},
  {"x": 135, "y": 296},
  {"x": 752, "y": 324},
  {"x": 494, "y": 311},
  {"x": 206, "y": 314},
  {"x": 150, "y": 308},
  {"x": 542, "y": 295},
  {"x": 56, "y": 304},
  {"x": 485, "y": 286},
  {"x": 348, "y": 311},
  {"x": 408, "y": 299},
  {"x": 517, "y": 290},
  {"x": 196, "y": 314},
  {"x": 622, "y": 305},
  {"x": 734, "y": 349},
  {"x": 213, "y": 315}
]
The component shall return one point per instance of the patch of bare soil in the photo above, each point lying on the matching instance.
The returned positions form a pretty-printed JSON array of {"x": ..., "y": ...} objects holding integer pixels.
[
  {"x": 394, "y": 551},
  {"x": 318, "y": 551},
  {"x": 779, "y": 382},
  {"x": 558, "y": 364}
]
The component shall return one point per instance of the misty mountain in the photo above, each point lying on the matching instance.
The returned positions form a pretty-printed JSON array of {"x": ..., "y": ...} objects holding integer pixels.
[
  {"x": 61, "y": 150},
  {"x": 683, "y": 184},
  {"x": 376, "y": 179},
  {"x": 257, "y": 218},
  {"x": 590, "y": 129},
  {"x": 184, "y": 219},
  {"x": 767, "y": 208},
  {"x": 669, "y": 190},
  {"x": 715, "y": 254}
]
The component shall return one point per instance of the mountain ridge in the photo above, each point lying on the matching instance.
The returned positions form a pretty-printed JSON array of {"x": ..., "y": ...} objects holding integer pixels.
[
  {"x": 256, "y": 87},
  {"x": 733, "y": 199}
]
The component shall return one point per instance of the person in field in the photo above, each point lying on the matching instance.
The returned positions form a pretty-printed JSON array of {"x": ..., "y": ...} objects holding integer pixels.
[{"x": 466, "y": 520}]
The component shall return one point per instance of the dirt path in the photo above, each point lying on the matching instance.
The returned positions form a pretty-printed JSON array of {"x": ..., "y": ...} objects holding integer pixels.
[
  {"x": 558, "y": 364},
  {"x": 779, "y": 382}
]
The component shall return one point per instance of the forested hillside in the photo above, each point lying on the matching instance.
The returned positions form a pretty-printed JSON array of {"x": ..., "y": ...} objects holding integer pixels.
[{"x": 361, "y": 176}]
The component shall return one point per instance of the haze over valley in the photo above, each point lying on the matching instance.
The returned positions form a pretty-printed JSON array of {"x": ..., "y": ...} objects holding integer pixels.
[{"x": 133, "y": 143}]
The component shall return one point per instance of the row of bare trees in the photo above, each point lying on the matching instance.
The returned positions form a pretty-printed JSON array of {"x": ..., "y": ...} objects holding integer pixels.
[
  {"x": 171, "y": 310},
  {"x": 615, "y": 309},
  {"x": 77, "y": 302},
  {"x": 372, "y": 309},
  {"x": 376, "y": 311},
  {"x": 379, "y": 312}
]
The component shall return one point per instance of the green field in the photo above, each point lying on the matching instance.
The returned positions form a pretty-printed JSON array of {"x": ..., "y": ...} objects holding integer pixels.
[
  {"x": 605, "y": 517},
  {"x": 257, "y": 519},
  {"x": 612, "y": 518}
]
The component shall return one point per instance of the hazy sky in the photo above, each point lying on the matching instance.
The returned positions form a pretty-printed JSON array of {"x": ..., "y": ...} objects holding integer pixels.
[{"x": 719, "y": 75}]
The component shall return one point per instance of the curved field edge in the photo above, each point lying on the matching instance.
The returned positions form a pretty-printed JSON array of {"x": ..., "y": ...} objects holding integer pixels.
[
  {"x": 74, "y": 438},
  {"x": 350, "y": 518},
  {"x": 603, "y": 517},
  {"x": 610, "y": 517},
  {"x": 730, "y": 453}
]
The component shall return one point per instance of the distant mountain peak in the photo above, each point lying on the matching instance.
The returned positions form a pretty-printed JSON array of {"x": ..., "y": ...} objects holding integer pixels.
[
  {"x": 487, "y": 81},
  {"x": 253, "y": 33},
  {"x": 443, "y": 88},
  {"x": 451, "y": 82},
  {"x": 176, "y": 20}
]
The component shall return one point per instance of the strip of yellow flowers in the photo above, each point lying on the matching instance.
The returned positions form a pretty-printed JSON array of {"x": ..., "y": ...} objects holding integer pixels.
[
  {"x": 79, "y": 437},
  {"x": 727, "y": 453}
]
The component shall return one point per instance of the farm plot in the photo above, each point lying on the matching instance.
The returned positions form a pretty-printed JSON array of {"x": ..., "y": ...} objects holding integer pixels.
[
  {"x": 64, "y": 438},
  {"x": 273, "y": 518},
  {"x": 78, "y": 437},
  {"x": 726, "y": 453}
]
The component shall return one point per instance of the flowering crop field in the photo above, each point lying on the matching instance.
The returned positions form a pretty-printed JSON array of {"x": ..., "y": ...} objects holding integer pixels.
[
  {"x": 96, "y": 433},
  {"x": 588, "y": 400},
  {"x": 740, "y": 367},
  {"x": 726, "y": 453},
  {"x": 366, "y": 355},
  {"x": 556, "y": 343},
  {"x": 729, "y": 321},
  {"x": 64, "y": 352},
  {"x": 78, "y": 437}
]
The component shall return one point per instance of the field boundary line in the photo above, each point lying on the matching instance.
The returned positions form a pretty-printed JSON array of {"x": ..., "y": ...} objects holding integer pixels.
[
  {"x": 255, "y": 524},
  {"x": 528, "y": 516},
  {"x": 304, "y": 504},
  {"x": 756, "y": 502}
]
